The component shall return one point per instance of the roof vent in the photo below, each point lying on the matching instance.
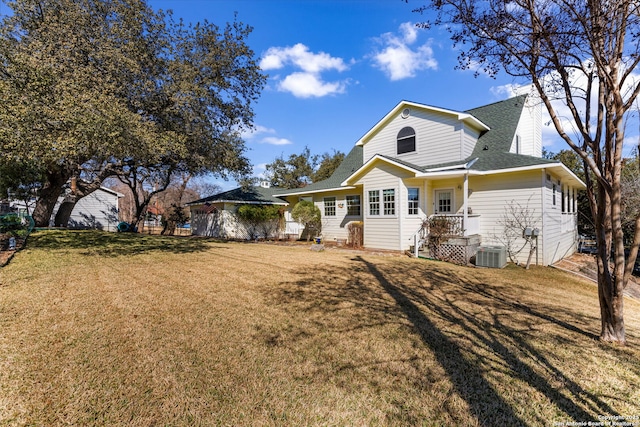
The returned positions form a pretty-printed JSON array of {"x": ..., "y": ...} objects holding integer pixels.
[{"x": 406, "y": 113}]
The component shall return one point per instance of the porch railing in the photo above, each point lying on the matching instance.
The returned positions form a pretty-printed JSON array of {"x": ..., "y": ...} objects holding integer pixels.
[{"x": 455, "y": 226}]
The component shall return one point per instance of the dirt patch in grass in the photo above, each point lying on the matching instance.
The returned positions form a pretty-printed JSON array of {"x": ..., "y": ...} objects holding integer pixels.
[
  {"x": 584, "y": 265},
  {"x": 197, "y": 332}
]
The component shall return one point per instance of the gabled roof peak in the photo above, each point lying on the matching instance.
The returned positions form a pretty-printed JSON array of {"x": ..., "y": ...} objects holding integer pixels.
[{"x": 400, "y": 108}]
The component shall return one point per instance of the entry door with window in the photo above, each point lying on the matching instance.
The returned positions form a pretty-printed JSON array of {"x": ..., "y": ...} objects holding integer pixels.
[{"x": 444, "y": 201}]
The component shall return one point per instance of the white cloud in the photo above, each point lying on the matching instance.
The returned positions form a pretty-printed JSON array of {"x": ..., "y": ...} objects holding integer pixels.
[
  {"x": 259, "y": 170},
  {"x": 398, "y": 59},
  {"x": 257, "y": 135},
  {"x": 306, "y": 81},
  {"x": 300, "y": 56},
  {"x": 409, "y": 32},
  {"x": 252, "y": 134},
  {"x": 272, "y": 140},
  {"x": 307, "y": 85}
]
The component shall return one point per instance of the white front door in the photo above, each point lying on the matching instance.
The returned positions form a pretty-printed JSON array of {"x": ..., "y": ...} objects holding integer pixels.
[{"x": 444, "y": 201}]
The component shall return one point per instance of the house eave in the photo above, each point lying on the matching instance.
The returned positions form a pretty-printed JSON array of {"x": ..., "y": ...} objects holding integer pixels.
[
  {"x": 322, "y": 190},
  {"x": 240, "y": 202},
  {"x": 557, "y": 167},
  {"x": 114, "y": 192},
  {"x": 461, "y": 166},
  {"x": 375, "y": 159}
]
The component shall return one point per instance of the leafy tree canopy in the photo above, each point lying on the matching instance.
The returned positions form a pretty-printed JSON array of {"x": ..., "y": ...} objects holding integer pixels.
[
  {"x": 300, "y": 170},
  {"x": 96, "y": 88}
]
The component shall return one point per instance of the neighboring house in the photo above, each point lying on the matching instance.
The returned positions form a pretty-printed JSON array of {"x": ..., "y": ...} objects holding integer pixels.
[
  {"x": 98, "y": 210},
  {"x": 215, "y": 216},
  {"x": 469, "y": 166}
]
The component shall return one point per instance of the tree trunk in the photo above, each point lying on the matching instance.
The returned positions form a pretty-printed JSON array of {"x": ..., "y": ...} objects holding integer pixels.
[
  {"x": 64, "y": 212},
  {"x": 611, "y": 307},
  {"x": 48, "y": 197},
  {"x": 79, "y": 189},
  {"x": 610, "y": 282}
]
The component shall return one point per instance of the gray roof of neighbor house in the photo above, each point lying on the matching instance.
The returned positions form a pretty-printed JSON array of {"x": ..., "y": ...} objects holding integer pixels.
[{"x": 256, "y": 195}]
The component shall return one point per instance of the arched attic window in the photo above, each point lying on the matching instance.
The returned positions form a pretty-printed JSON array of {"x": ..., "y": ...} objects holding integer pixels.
[{"x": 406, "y": 140}]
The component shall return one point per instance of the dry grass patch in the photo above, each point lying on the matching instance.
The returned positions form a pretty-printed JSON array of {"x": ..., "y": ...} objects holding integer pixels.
[{"x": 102, "y": 329}]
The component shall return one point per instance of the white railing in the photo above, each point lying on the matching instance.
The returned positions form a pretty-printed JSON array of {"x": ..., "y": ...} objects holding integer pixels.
[{"x": 457, "y": 227}]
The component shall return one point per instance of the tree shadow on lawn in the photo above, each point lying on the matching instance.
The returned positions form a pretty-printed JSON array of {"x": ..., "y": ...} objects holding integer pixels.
[
  {"x": 103, "y": 243},
  {"x": 475, "y": 332}
]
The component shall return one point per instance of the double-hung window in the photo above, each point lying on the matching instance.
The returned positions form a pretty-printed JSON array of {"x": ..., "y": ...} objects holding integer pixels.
[
  {"x": 353, "y": 205},
  {"x": 329, "y": 206},
  {"x": 389, "y": 201},
  {"x": 382, "y": 202},
  {"x": 413, "y": 201},
  {"x": 374, "y": 202}
]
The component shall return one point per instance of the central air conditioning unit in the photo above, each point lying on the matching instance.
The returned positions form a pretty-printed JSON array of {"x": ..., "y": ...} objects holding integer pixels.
[{"x": 491, "y": 256}]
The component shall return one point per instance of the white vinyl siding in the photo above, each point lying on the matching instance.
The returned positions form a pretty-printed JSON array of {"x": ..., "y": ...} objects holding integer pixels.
[
  {"x": 469, "y": 140},
  {"x": 530, "y": 130},
  {"x": 334, "y": 227},
  {"x": 411, "y": 222},
  {"x": 559, "y": 239},
  {"x": 384, "y": 231},
  {"x": 98, "y": 210},
  {"x": 438, "y": 138},
  {"x": 491, "y": 196}
]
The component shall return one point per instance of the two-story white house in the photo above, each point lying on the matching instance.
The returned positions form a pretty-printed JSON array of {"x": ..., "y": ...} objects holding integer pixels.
[{"x": 420, "y": 161}]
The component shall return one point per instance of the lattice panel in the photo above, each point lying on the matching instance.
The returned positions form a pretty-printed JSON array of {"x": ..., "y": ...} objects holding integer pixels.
[{"x": 456, "y": 254}]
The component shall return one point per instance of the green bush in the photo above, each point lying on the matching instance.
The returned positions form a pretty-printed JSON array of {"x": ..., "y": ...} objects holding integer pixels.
[
  {"x": 307, "y": 213},
  {"x": 10, "y": 223},
  {"x": 260, "y": 219}
]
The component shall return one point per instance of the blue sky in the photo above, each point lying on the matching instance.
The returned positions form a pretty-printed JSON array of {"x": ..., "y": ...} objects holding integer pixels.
[{"x": 336, "y": 67}]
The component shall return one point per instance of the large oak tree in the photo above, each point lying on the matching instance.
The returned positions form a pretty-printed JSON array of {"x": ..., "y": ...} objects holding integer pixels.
[
  {"x": 584, "y": 53},
  {"x": 98, "y": 88}
]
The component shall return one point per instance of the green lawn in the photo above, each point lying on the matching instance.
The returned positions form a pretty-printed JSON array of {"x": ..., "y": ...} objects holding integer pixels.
[{"x": 123, "y": 329}]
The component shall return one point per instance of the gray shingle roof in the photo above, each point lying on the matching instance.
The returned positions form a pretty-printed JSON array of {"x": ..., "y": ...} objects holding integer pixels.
[
  {"x": 254, "y": 195},
  {"x": 492, "y": 148}
]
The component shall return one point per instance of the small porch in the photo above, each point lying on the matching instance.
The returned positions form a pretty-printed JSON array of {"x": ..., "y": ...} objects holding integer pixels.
[{"x": 448, "y": 237}]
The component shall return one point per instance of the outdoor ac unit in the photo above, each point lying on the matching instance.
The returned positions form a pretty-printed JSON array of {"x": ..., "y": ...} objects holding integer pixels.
[{"x": 491, "y": 256}]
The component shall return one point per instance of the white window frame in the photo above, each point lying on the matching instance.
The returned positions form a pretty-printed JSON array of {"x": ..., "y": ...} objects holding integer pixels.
[
  {"x": 346, "y": 201},
  {"x": 325, "y": 205},
  {"x": 380, "y": 204},
  {"x": 436, "y": 200},
  {"x": 410, "y": 202},
  {"x": 376, "y": 203},
  {"x": 384, "y": 202}
]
